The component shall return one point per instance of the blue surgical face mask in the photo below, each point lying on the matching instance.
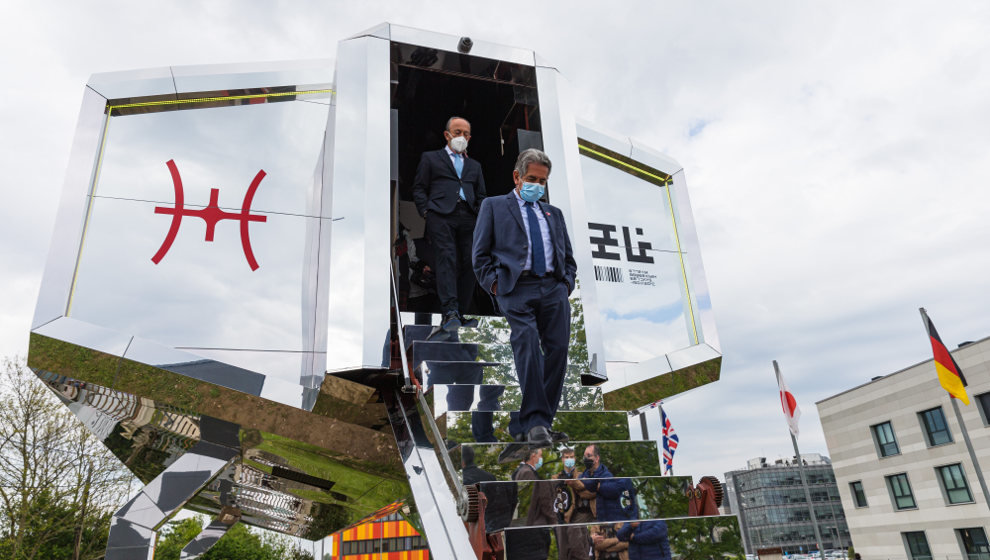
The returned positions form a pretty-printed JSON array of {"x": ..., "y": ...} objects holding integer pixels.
[
  {"x": 538, "y": 464},
  {"x": 531, "y": 192},
  {"x": 569, "y": 463}
]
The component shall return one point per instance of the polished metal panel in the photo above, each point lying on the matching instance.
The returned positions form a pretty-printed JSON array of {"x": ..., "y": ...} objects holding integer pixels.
[
  {"x": 129, "y": 541},
  {"x": 70, "y": 219},
  {"x": 623, "y": 458},
  {"x": 448, "y": 43},
  {"x": 380, "y": 31},
  {"x": 107, "y": 341},
  {"x": 134, "y": 83},
  {"x": 656, "y": 497},
  {"x": 566, "y": 190},
  {"x": 690, "y": 537},
  {"x": 579, "y": 425},
  {"x": 573, "y": 398},
  {"x": 358, "y": 332},
  {"x": 654, "y": 303},
  {"x": 205, "y": 540},
  {"x": 342, "y": 472},
  {"x": 433, "y": 496},
  {"x": 163, "y": 497},
  {"x": 696, "y": 269},
  {"x": 217, "y": 77}
]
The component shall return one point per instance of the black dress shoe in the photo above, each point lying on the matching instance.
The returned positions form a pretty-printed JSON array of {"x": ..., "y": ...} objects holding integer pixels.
[
  {"x": 438, "y": 334},
  {"x": 468, "y": 323},
  {"x": 514, "y": 453},
  {"x": 451, "y": 322},
  {"x": 539, "y": 436},
  {"x": 559, "y": 437}
]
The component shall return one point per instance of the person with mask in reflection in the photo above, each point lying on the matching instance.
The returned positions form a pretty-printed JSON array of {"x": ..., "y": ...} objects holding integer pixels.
[
  {"x": 647, "y": 540},
  {"x": 615, "y": 497},
  {"x": 606, "y": 545},
  {"x": 522, "y": 255},
  {"x": 532, "y": 544},
  {"x": 572, "y": 541},
  {"x": 448, "y": 190},
  {"x": 501, "y": 496}
]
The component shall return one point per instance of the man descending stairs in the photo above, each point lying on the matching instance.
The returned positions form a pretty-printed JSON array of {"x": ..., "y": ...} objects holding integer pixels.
[{"x": 472, "y": 392}]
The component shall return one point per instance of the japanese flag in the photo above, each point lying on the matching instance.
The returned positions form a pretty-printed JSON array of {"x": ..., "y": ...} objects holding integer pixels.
[{"x": 787, "y": 401}]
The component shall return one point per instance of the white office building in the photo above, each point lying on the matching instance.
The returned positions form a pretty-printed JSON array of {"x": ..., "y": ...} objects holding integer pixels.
[{"x": 908, "y": 484}]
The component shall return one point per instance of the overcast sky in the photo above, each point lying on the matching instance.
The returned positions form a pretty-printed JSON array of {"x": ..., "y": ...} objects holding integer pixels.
[{"x": 835, "y": 154}]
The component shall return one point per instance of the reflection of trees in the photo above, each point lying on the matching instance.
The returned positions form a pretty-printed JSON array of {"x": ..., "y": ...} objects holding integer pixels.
[
  {"x": 705, "y": 537},
  {"x": 58, "y": 485}
]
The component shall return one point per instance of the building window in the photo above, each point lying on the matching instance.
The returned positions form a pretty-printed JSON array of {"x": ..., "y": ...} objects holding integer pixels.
[
  {"x": 974, "y": 543},
  {"x": 859, "y": 496},
  {"x": 936, "y": 429},
  {"x": 917, "y": 545},
  {"x": 900, "y": 491},
  {"x": 954, "y": 484},
  {"x": 984, "y": 401},
  {"x": 883, "y": 434}
]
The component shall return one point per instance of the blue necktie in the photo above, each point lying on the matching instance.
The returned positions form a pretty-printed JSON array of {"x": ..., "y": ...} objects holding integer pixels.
[
  {"x": 539, "y": 267},
  {"x": 459, "y": 168}
]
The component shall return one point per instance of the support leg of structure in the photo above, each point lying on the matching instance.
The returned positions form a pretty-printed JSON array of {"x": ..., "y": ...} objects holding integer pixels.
[
  {"x": 211, "y": 534},
  {"x": 134, "y": 526}
]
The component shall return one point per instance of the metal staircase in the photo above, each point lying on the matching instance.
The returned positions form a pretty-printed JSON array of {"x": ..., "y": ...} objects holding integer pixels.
[{"x": 465, "y": 388}]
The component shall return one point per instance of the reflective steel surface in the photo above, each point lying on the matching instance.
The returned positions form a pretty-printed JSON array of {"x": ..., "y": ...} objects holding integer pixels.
[{"x": 224, "y": 240}]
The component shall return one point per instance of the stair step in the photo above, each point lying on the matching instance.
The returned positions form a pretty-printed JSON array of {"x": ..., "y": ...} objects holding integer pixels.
[
  {"x": 686, "y": 535},
  {"x": 506, "y": 397},
  {"x": 459, "y": 351},
  {"x": 491, "y": 330},
  {"x": 622, "y": 458},
  {"x": 480, "y": 373},
  {"x": 656, "y": 497},
  {"x": 579, "y": 425}
]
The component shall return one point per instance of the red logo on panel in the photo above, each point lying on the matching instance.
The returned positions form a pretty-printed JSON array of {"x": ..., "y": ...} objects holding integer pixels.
[{"x": 211, "y": 215}]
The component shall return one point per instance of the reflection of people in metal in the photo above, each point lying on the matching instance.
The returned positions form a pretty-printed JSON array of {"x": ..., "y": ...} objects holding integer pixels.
[
  {"x": 522, "y": 255},
  {"x": 572, "y": 541},
  {"x": 501, "y": 495},
  {"x": 526, "y": 544},
  {"x": 647, "y": 540},
  {"x": 606, "y": 545},
  {"x": 448, "y": 189},
  {"x": 616, "y": 497}
]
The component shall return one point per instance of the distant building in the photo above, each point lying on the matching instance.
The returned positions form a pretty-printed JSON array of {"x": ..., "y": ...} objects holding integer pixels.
[
  {"x": 773, "y": 509},
  {"x": 388, "y": 538},
  {"x": 908, "y": 484}
]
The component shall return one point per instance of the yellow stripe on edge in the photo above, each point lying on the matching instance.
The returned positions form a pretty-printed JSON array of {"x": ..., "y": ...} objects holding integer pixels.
[{"x": 951, "y": 383}]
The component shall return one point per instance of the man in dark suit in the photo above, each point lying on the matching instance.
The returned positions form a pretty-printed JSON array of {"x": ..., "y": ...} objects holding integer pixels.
[
  {"x": 448, "y": 190},
  {"x": 522, "y": 255}
]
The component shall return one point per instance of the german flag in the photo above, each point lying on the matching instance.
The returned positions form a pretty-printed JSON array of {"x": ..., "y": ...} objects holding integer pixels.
[{"x": 950, "y": 376}]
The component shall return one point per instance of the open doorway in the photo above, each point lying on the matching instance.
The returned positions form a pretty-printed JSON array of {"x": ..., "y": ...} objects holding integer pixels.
[{"x": 429, "y": 86}]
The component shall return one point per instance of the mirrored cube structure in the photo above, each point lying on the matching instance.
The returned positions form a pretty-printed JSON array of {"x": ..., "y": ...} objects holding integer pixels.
[{"x": 226, "y": 290}]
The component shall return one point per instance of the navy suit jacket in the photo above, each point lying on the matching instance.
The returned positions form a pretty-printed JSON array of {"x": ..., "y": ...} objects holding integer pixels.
[
  {"x": 437, "y": 187},
  {"x": 501, "y": 244}
]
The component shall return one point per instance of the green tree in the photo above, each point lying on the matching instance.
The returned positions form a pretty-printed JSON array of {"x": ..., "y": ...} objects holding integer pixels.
[
  {"x": 58, "y": 484},
  {"x": 240, "y": 543}
]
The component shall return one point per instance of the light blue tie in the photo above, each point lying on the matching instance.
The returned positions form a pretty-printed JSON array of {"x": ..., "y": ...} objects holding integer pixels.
[
  {"x": 539, "y": 267},
  {"x": 459, "y": 168}
]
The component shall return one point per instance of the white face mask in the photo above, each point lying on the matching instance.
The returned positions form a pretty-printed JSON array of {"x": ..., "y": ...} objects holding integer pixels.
[{"x": 458, "y": 144}]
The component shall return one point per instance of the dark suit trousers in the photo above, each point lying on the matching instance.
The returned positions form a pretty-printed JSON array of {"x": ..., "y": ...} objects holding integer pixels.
[
  {"x": 451, "y": 236},
  {"x": 540, "y": 318}
]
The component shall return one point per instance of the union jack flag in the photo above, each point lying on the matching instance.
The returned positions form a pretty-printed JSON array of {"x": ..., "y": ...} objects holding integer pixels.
[{"x": 670, "y": 440}]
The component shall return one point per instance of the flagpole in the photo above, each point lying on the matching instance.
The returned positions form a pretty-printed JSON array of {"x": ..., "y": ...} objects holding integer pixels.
[
  {"x": 962, "y": 426},
  {"x": 804, "y": 480},
  {"x": 972, "y": 454}
]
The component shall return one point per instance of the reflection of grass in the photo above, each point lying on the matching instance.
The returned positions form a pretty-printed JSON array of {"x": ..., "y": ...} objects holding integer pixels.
[
  {"x": 367, "y": 486},
  {"x": 664, "y": 385}
]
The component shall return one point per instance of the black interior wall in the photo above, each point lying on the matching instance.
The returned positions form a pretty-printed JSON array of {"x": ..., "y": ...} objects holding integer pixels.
[{"x": 426, "y": 98}]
